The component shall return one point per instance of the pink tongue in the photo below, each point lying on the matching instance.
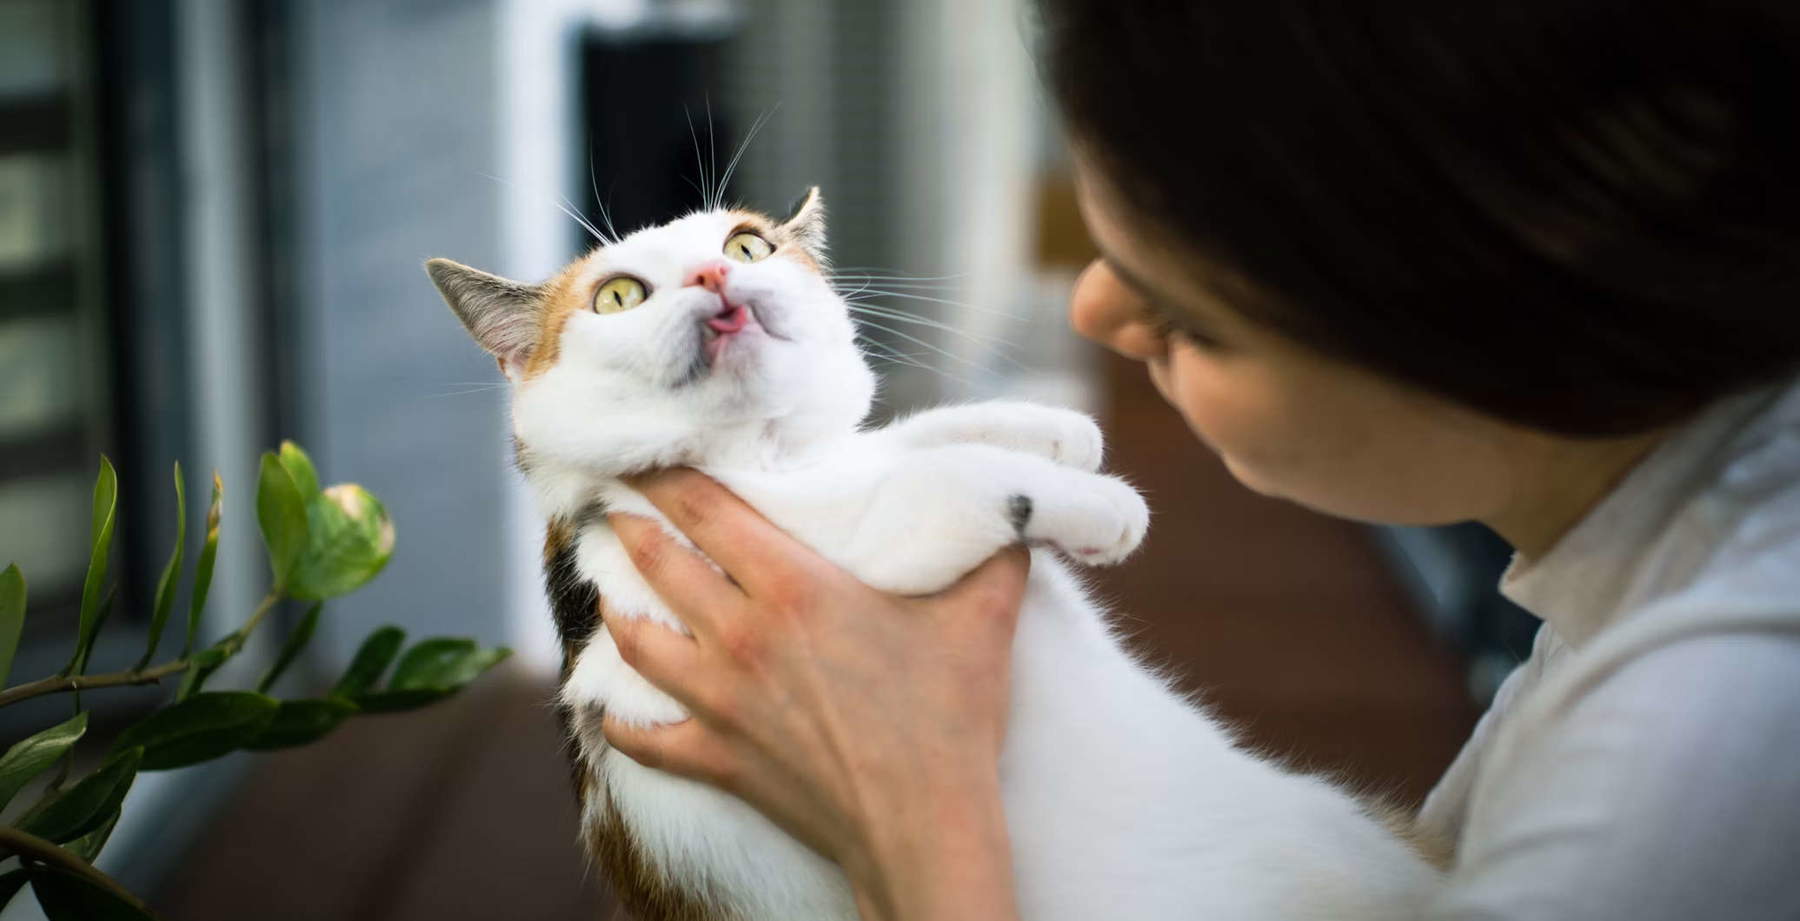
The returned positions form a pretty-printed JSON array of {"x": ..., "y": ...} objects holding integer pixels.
[{"x": 730, "y": 321}]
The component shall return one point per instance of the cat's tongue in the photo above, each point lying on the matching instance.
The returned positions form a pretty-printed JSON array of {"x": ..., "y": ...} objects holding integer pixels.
[{"x": 730, "y": 320}]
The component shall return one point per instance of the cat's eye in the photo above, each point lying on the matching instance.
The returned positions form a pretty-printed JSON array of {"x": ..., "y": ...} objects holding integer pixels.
[
  {"x": 745, "y": 246},
  {"x": 621, "y": 293}
]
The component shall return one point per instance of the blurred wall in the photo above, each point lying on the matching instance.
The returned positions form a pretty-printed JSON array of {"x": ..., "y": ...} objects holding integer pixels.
[{"x": 396, "y": 118}]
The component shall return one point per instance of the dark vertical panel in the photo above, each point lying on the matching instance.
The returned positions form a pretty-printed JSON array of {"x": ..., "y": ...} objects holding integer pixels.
[
  {"x": 140, "y": 219},
  {"x": 638, "y": 95}
]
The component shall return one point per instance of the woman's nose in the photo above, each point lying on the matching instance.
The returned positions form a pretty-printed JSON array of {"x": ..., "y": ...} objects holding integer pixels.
[{"x": 1103, "y": 308}]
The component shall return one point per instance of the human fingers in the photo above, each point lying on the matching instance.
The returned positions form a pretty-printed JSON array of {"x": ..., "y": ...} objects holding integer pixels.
[
  {"x": 686, "y": 748},
  {"x": 664, "y": 657},
  {"x": 746, "y": 545},
  {"x": 697, "y": 593}
]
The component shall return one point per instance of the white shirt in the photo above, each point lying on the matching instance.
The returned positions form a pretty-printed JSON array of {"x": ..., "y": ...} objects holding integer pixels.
[{"x": 1644, "y": 762}]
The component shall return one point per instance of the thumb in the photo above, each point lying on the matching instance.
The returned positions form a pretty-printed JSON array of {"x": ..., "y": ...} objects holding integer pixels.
[{"x": 994, "y": 588}]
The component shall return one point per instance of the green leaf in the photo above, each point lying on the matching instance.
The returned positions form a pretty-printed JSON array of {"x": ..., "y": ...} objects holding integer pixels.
[
  {"x": 201, "y": 728},
  {"x": 281, "y": 514},
  {"x": 431, "y": 671},
  {"x": 12, "y": 617},
  {"x": 66, "y": 896},
  {"x": 30, "y": 756},
  {"x": 87, "y": 805},
  {"x": 372, "y": 658},
  {"x": 203, "y": 567},
  {"x": 349, "y": 541},
  {"x": 300, "y": 468},
  {"x": 296, "y": 641},
  {"x": 10, "y": 884},
  {"x": 428, "y": 660},
  {"x": 171, "y": 574},
  {"x": 88, "y": 846},
  {"x": 442, "y": 662},
  {"x": 299, "y": 722},
  {"x": 106, "y": 500}
]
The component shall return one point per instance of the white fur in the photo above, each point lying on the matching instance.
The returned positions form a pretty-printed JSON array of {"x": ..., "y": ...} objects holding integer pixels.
[{"x": 1123, "y": 799}]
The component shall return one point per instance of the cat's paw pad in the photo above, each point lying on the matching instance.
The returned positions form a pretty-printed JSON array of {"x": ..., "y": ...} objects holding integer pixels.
[{"x": 1099, "y": 523}]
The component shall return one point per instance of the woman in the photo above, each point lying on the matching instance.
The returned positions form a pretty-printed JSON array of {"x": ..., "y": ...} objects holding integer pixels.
[{"x": 1534, "y": 264}]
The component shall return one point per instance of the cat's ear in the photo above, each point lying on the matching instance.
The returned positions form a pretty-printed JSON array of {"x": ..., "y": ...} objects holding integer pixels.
[
  {"x": 501, "y": 314},
  {"x": 805, "y": 224}
]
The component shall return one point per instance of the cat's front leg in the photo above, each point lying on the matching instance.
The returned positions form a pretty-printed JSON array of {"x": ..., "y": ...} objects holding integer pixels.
[
  {"x": 600, "y": 681},
  {"x": 1061, "y": 435},
  {"x": 940, "y": 512}
]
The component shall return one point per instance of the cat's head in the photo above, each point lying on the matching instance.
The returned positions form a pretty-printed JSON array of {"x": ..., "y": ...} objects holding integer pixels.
[{"x": 714, "y": 333}]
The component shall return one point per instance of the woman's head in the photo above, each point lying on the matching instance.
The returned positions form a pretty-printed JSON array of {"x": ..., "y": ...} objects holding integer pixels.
[{"x": 1576, "y": 216}]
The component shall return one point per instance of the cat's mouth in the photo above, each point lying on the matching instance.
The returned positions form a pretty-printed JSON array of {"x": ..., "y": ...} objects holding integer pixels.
[{"x": 721, "y": 331}]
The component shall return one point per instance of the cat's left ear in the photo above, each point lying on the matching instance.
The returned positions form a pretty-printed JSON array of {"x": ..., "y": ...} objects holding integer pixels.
[{"x": 805, "y": 224}]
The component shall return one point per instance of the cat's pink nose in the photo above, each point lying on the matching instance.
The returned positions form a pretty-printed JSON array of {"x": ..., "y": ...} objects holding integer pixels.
[{"x": 710, "y": 276}]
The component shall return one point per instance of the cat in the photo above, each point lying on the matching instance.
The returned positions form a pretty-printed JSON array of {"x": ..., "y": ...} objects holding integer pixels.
[{"x": 718, "y": 341}]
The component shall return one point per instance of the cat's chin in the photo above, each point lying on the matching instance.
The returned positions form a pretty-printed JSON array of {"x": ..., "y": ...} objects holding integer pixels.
[{"x": 735, "y": 348}]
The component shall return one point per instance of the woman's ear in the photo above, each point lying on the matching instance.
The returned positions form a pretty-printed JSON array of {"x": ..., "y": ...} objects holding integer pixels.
[
  {"x": 503, "y": 316},
  {"x": 805, "y": 224}
]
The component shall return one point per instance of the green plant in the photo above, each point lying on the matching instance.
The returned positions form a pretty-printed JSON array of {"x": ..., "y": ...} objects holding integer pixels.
[{"x": 322, "y": 543}]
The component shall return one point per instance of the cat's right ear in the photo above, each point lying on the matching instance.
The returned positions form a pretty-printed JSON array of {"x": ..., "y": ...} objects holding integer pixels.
[{"x": 502, "y": 315}]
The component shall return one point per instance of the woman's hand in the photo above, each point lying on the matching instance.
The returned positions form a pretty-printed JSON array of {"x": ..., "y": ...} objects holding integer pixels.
[{"x": 867, "y": 725}]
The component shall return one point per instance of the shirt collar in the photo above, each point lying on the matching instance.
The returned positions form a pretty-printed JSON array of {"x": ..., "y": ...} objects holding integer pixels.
[{"x": 1585, "y": 580}]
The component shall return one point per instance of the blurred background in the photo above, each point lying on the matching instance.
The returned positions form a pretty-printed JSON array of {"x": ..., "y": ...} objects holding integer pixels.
[{"x": 213, "y": 215}]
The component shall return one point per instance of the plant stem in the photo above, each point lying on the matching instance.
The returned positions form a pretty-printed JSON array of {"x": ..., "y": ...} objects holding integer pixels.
[
  {"x": 60, "y": 683},
  {"x": 30, "y": 847},
  {"x": 56, "y": 683},
  {"x": 237, "y": 638}
]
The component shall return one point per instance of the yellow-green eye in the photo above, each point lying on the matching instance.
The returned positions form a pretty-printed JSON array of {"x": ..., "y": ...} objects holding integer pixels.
[
  {"x": 745, "y": 246},
  {"x": 622, "y": 293}
]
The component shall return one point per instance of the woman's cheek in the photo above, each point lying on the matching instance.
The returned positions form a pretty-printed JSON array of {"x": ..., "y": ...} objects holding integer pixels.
[{"x": 1238, "y": 414}]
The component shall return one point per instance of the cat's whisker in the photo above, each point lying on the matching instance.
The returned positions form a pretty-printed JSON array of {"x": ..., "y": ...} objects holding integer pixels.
[
  {"x": 894, "y": 314},
  {"x": 569, "y": 210},
  {"x": 841, "y": 274},
  {"x": 999, "y": 349},
  {"x": 561, "y": 205},
  {"x": 731, "y": 167},
  {"x": 464, "y": 393},
  {"x": 896, "y": 273},
  {"x": 712, "y": 154},
  {"x": 929, "y": 286},
  {"x": 889, "y": 353},
  {"x": 907, "y": 295},
  {"x": 605, "y": 215},
  {"x": 699, "y": 161},
  {"x": 917, "y": 341}
]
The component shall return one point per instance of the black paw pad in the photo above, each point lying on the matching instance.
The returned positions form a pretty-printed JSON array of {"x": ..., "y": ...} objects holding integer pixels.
[{"x": 1018, "y": 511}]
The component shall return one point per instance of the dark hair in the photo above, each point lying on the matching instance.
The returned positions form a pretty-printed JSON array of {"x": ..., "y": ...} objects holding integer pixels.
[{"x": 1578, "y": 215}]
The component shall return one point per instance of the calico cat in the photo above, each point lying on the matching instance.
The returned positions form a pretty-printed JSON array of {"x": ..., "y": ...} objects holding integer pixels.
[{"x": 717, "y": 341}]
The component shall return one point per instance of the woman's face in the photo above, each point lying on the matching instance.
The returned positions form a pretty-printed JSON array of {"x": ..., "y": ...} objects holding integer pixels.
[{"x": 1287, "y": 421}]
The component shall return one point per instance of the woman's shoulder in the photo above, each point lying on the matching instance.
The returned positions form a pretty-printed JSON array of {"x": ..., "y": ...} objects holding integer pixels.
[{"x": 1664, "y": 779}]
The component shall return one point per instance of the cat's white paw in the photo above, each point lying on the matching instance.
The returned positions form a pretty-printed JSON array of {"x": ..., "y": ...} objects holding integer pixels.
[
  {"x": 1097, "y": 522},
  {"x": 1074, "y": 440},
  {"x": 1065, "y": 436}
]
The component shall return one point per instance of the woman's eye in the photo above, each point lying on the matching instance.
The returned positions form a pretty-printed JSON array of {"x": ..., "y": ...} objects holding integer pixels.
[
  {"x": 622, "y": 293},
  {"x": 747, "y": 247},
  {"x": 1164, "y": 326}
]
